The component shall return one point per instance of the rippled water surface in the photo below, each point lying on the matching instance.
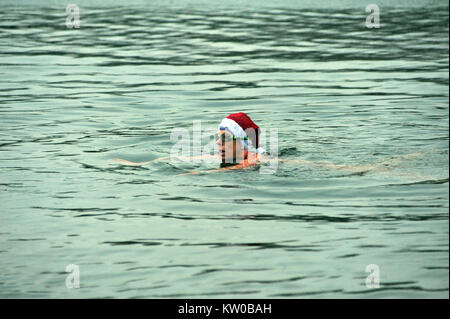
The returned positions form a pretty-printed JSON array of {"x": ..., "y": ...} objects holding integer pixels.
[{"x": 73, "y": 99}]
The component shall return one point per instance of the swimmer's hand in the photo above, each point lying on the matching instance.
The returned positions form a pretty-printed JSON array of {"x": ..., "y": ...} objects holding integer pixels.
[{"x": 222, "y": 169}]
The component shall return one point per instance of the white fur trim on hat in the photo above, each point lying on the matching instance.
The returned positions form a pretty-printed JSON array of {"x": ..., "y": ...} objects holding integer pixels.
[{"x": 234, "y": 128}]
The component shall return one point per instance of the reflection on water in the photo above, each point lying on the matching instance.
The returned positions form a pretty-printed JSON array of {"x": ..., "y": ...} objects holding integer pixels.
[{"x": 338, "y": 93}]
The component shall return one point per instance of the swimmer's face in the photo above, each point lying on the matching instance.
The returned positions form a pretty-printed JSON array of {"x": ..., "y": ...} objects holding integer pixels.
[{"x": 230, "y": 150}]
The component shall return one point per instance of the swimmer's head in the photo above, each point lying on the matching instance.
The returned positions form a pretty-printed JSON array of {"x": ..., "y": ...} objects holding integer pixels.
[
  {"x": 238, "y": 136},
  {"x": 230, "y": 149}
]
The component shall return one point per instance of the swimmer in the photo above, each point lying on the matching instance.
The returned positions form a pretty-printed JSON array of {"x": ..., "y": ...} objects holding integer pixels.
[{"x": 238, "y": 139}]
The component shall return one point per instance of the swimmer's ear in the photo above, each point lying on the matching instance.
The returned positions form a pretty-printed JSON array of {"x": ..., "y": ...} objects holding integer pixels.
[{"x": 253, "y": 136}]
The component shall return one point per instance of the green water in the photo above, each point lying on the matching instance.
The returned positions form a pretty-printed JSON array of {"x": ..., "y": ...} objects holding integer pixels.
[{"x": 73, "y": 99}]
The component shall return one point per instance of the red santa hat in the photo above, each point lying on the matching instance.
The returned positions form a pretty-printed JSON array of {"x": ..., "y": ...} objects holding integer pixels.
[{"x": 242, "y": 127}]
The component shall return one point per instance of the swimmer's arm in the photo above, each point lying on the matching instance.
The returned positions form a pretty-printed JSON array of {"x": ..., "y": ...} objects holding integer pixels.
[
  {"x": 129, "y": 163},
  {"x": 349, "y": 168},
  {"x": 356, "y": 168},
  {"x": 238, "y": 166},
  {"x": 180, "y": 158},
  {"x": 198, "y": 173}
]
